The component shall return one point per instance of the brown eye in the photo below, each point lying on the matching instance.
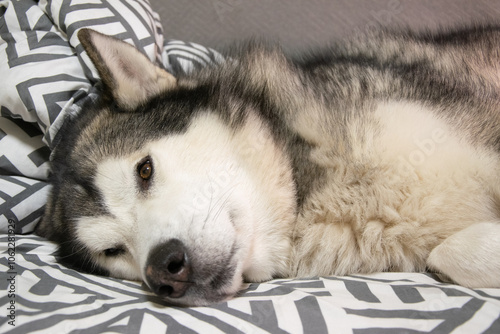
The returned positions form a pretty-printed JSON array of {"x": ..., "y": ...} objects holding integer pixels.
[{"x": 146, "y": 170}]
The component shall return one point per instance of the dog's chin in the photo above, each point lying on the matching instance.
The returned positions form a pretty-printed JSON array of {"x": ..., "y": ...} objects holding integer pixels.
[
  {"x": 204, "y": 295},
  {"x": 194, "y": 301}
]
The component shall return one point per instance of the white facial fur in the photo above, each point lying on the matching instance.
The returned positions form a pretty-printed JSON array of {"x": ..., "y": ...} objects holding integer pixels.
[{"x": 201, "y": 195}]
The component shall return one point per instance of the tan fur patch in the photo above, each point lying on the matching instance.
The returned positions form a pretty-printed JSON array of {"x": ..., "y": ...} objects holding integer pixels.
[{"x": 405, "y": 188}]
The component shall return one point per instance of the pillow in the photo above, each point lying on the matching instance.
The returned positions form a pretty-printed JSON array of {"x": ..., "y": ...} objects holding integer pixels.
[{"x": 46, "y": 77}]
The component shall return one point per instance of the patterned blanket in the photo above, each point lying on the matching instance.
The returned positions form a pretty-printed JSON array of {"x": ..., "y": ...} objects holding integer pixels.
[
  {"x": 45, "y": 77},
  {"x": 53, "y": 299}
]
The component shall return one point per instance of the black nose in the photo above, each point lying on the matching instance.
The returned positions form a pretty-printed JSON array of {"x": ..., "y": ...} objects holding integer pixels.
[{"x": 168, "y": 271}]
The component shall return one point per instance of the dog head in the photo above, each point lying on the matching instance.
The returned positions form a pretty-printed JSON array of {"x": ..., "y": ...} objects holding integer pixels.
[{"x": 169, "y": 182}]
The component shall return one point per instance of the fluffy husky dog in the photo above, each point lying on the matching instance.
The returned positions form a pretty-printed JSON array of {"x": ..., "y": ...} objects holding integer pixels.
[{"x": 381, "y": 154}]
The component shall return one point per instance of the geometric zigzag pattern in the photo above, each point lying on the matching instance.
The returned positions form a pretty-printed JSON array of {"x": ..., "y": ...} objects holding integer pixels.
[
  {"x": 54, "y": 299},
  {"x": 22, "y": 152},
  {"x": 180, "y": 56},
  {"x": 16, "y": 193}
]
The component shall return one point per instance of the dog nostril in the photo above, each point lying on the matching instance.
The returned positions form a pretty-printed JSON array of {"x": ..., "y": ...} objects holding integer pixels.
[
  {"x": 165, "y": 291},
  {"x": 175, "y": 266}
]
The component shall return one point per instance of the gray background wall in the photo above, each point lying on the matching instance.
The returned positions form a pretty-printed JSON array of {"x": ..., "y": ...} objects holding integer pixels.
[{"x": 300, "y": 24}]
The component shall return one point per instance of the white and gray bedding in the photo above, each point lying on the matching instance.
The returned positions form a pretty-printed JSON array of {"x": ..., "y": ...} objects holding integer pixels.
[
  {"x": 45, "y": 77},
  {"x": 53, "y": 299}
]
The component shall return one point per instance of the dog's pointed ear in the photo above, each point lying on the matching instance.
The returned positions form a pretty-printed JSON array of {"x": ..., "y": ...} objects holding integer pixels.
[{"x": 126, "y": 73}]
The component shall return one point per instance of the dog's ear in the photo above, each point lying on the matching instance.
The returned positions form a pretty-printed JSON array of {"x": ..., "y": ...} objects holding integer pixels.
[{"x": 126, "y": 73}]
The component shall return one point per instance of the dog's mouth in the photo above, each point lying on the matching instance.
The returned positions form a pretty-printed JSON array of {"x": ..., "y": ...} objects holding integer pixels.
[{"x": 175, "y": 276}]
